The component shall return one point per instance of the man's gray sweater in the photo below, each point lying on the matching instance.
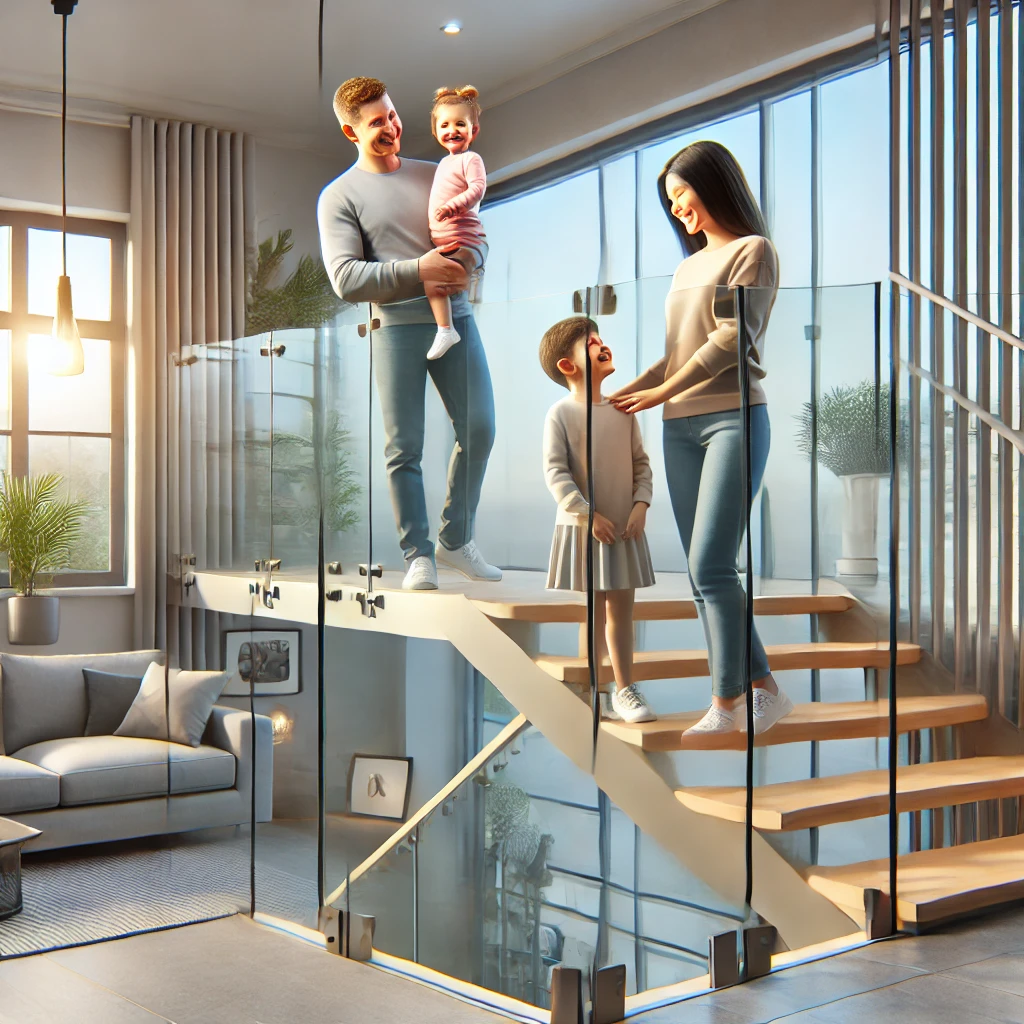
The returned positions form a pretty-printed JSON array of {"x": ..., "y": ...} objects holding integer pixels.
[{"x": 373, "y": 229}]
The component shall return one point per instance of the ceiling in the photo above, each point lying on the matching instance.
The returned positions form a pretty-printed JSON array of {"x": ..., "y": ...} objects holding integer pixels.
[{"x": 251, "y": 65}]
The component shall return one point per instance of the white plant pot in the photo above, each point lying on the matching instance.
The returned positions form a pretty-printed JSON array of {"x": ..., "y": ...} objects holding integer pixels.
[
  {"x": 860, "y": 526},
  {"x": 33, "y": 620}
]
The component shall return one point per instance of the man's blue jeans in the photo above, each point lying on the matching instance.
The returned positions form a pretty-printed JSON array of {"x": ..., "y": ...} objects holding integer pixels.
[
  {"x": 704, "y": 466},
  {"x": 464, "y": 384}
]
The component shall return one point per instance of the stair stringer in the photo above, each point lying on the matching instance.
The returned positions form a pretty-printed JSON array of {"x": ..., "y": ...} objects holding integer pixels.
[{"x": 711, "y": 849}]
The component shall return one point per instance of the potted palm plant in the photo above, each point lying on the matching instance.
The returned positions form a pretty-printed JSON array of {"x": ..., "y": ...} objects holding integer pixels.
[
  {"x": 38, "y": 526},
  {"x": 853, "y": 443}
]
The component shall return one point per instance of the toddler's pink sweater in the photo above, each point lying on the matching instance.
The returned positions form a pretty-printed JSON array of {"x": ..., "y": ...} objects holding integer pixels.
[{"x": 460, "y": 179}]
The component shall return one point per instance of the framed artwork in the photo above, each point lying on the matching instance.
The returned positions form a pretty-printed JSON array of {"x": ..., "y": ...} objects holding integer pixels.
[
  {"x": 269, "y": 658},
  {"x": 379, "y": 786}
]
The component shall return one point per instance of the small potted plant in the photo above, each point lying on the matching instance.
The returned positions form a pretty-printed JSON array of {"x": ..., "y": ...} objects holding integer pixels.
[
  {"x": 38, "y": 527},
  {"x": 853, "y": 443}
]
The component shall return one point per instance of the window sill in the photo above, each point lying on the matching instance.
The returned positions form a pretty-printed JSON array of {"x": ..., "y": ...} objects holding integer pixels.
[{"x": 79, "y": 592}]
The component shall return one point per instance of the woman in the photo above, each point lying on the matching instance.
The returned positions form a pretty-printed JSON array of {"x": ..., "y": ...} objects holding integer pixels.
[{"x": 724, "y": 239}]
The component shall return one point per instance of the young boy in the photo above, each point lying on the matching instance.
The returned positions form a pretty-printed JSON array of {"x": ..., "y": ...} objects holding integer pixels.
[{"x": 622, "y": 494}]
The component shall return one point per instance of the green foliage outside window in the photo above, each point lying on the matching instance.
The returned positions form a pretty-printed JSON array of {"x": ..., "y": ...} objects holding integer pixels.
[{"x": 38, "y": 528}]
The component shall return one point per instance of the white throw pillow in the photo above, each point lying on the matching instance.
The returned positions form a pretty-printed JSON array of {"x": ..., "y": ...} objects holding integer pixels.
[{"x": 187, "y": 702}]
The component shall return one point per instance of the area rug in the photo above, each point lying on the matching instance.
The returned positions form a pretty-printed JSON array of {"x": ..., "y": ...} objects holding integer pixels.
[{"x": 110, "y": 892}]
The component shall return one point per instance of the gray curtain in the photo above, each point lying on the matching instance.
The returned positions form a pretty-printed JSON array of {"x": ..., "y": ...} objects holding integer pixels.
[{"x": 192, "y": 226}]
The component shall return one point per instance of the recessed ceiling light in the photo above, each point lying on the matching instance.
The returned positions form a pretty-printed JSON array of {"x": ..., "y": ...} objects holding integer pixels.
[{"x": 452, "y": 28}]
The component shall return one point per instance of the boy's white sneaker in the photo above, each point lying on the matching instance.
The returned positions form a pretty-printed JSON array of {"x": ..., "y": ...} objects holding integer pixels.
[
  {"x": 769, "y": 708},
  {"x": 715, "y": 720},
  {"x": 443, "y": 340},
  {"x": 421, "y": 575},
  {"x": 468, "y": 561},
  {"x": 629, "y": 704}
]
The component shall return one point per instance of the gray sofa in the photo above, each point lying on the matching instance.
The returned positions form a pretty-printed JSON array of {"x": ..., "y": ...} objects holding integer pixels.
[{"x": 81, "y": 789}]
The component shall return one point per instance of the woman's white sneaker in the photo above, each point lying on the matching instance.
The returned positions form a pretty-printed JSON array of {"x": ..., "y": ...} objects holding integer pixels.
[
  {"x": 769, "y": 708},
  {"x": 714, "y": 721},
  {"x": 422, "y": 574},
  {"x": 629, "y": 704},
  {"x": 468, "y": 561}
]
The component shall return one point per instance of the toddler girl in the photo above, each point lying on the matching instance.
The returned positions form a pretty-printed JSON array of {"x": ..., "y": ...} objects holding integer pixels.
[
  {"x": 622, "y": 493},
  {"x": 459, "y": 184}
]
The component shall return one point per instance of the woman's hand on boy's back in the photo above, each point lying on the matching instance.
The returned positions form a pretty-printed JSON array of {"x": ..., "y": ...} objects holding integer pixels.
[{"x": 638, "y": 401}]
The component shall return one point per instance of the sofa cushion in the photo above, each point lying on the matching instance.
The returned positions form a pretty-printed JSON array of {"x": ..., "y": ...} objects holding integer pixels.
[
  {"x": 26, "y": 787},
  {"x": 172, "y": 704},
  {"x": 44, "y": 695},
  {"x": 103, "y": 769},
  {"x": 108, "y": 696}
]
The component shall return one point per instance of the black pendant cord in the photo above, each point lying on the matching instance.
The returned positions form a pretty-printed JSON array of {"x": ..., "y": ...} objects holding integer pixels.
[
  {"x": 748, "y": 640},
  {"x": 63, "y": 144},
  {"x": 320, "y": 48}
]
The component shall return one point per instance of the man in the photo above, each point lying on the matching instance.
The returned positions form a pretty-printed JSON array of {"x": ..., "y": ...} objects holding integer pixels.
[{"x": 376, "y": 246}]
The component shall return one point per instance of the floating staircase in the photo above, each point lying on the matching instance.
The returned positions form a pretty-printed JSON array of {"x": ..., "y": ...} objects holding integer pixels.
[
  {"x": 933, "y": 883},
  {"x": 496, "y": 628}
]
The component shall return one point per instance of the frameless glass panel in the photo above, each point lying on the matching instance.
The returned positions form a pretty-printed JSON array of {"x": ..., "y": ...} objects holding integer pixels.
[
  {"x": 89, "y": 259},
  {"x": 84, "y": 463},
  {"x": 5, "y": 268},
  {"x": 297, "y": 452},
  {"x": 5, "y": 380},
  {"x": 80, "y": 403}
]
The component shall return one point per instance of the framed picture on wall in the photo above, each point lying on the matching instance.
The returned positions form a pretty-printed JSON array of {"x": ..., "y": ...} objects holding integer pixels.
[
  {"x": 379, "y": 786},
  {"x": 268, "y": 658}
]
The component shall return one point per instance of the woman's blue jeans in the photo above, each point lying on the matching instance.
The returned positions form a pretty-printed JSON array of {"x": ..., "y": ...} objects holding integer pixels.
[{"x": 704, "y": 466}]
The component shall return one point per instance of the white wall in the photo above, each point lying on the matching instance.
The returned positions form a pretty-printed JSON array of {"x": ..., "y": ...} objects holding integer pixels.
[
  {"x": 730, "y": 46},
  {"x": 288, "y": 184},
  {"x": 88, "y": 625},
  {"x": 99, "y": 164}
]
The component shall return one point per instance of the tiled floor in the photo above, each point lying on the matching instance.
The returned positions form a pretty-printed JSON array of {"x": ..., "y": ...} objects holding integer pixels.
[
  {"x": 230, "y": 971},
  {"x": 235, "y": 972},
  {"x": 970, "y": 973}
]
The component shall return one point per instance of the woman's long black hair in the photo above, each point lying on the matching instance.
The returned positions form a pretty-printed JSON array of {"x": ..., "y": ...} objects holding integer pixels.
[{"x": 713, "y": 173}]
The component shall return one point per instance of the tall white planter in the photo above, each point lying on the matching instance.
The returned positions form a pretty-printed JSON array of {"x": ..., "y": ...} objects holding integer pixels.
[{"x": 860, "y": 525}]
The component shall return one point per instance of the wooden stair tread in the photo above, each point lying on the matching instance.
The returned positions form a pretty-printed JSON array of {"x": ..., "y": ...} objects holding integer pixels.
[
  {"x": 841, "y": 721},
  {"x": 660, "y": 608},
  {"x": 809, "y": 803},
  {"x": 931, "y": 885},
  {"x": 689, "y": 664}
]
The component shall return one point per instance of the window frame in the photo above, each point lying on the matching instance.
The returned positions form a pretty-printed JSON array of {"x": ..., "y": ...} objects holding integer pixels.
[{"x": 21, "y": 324}]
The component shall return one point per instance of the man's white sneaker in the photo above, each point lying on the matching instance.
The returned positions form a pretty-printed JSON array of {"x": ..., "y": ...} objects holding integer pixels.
[
  {"x": 629, "y": 704},
  {"x": 443, "y": 340},
  {"x": 468, "y": 561},
  {"x": 714, "y": 721},
  {"x": 769, "y": 708},
  {"x": 422, "y": 574}
]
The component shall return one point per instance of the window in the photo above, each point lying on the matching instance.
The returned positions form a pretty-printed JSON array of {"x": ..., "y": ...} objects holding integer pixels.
[{"x": 68, "y": 425}]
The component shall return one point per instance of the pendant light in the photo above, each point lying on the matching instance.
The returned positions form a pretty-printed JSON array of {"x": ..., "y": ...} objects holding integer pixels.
[{"x": 66, "y": 358}]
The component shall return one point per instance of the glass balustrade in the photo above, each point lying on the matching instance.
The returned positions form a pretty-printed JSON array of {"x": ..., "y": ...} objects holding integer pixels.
[{"x": 493, "y": 848}]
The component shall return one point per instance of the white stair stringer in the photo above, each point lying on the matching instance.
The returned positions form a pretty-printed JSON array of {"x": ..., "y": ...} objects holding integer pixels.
[{"x": 711, "y": 849}]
